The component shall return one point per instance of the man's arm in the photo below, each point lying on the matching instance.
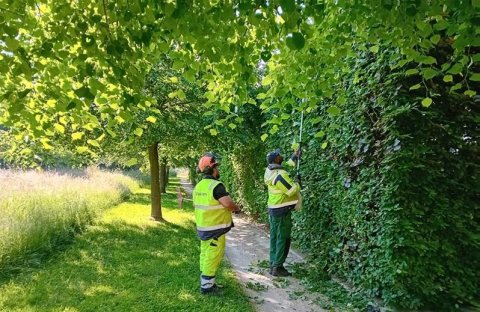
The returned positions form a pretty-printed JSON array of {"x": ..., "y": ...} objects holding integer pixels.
[
  {"x": 228, "y": 203},
  {"x": 289, "y": 187},
  {"x": 221, "y": 194}
]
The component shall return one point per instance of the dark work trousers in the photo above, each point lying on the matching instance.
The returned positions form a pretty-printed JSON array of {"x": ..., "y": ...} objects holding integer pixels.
[{"x": 280, "y": 238}]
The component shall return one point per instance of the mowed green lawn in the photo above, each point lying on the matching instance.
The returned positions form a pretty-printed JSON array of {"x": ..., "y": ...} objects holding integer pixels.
[{"x": 125, "y": 263}]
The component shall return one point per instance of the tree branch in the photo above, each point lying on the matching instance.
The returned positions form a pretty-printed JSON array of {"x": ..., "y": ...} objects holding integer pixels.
[{"x": 106, "y": 17}]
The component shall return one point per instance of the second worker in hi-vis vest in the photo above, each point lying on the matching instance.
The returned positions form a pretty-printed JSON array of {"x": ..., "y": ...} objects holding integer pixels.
[
  {"x": 213, "y": 217},
  {"x": 283, "y": 196}
]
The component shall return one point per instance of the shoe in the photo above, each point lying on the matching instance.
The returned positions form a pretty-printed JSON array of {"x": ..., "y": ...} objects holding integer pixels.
[
  {"x": 280, "y": 271},
  {"x": 212, "y": 291},
  {"x": 270, "y": 270}
]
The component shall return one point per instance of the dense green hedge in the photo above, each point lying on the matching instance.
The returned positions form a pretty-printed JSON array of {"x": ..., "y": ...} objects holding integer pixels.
[
  {"x": 391, "y": 203},
  {"x": 242, "y": 172}
]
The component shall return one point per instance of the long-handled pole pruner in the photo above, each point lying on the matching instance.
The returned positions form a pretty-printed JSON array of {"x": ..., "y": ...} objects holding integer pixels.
[{"x": 300, "y": 144}]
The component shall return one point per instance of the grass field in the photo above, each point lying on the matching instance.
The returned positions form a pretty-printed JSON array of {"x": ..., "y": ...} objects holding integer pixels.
[
  {"x": 41, "y": 211},
  {"x": 124, "y": 262}
]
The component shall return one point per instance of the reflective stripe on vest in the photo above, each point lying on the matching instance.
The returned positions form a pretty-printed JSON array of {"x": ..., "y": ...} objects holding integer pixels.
[
  {"x": 271, "y": 191},
  {"x": 210, "y": 215},
  {"x": 277, "y": 196},
  {"x": 203, "y": 207},
  {"x": 293, "y": 202},
  {"x": 214, "y": 227}
]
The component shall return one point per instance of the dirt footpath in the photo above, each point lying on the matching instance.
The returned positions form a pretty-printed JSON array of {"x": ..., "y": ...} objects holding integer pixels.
[{"x": 247, "y": 251}]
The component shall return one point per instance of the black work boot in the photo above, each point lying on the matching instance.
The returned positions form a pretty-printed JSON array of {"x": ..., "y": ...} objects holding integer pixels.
[
  {"x": 280, "y": 271},
  {"x": 212, "y": 291}
]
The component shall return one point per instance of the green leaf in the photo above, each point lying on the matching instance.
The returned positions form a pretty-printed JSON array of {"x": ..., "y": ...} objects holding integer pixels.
[
  {"x": 59, "y": 128},
  {"x": 412, "y": 71},
  {"x": 84, "y": 92},
  {"x": 295, "y": 41},
  {"x": 456, "y": 69},
  {"x": 428, "y": 60},
  {"x": 264, "y": 137},
  {"x": 181, "y": 95},
  {"x": 151, "y": 119},
  {"x": 429, "y": 73},
  {"x": 93, "y": 143},
  {"x": 82, "y": 149},
  {"x": 435, "y": 39},
  {"x": 177, "y": 65},
  {"x": 415, "y": 87},
  {"x": 261, "y": 96},
  {"x": 232, "y": 125},
  {"x": 374, "y": 49},
  {"x": 475, "y": 77},
  {"x": 266, "y": 81},
  {"x": 456, "y": 87},
  {"x": 174, "y": 79},
  {"x": 470, "y": 93},
  {"x": 320, "y": 134},
  {"x": 426, "y": 102},
  {"x": 324, "y": 145},
  {"x": 45, "y": 144},
  {"x": 213, "y": 132},
  {"x": 448, "y": 78},
  {"x": 77, "y": 136},
  {"x": 138, "y": 132},
  {"x": 132, "y": 162},
  {"x": 333, "y": 110}
]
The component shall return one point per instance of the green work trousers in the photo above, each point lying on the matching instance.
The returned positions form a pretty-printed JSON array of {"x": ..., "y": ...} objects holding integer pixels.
[
  {"x": 211, "y": 254},
  {"x": 280, "y": 238}
]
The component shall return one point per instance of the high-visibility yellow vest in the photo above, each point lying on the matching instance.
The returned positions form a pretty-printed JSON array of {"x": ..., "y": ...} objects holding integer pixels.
[
  {"x": 210, "y": 215},
  {"x": 278, "y": 195}
]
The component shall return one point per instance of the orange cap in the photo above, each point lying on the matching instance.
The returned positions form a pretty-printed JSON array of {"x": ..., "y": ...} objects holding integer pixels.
[{"x": 207, "y": 160}]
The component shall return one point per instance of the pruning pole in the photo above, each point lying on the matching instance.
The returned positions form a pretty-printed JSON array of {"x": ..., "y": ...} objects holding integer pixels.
[{"x": 300, "y": 143}]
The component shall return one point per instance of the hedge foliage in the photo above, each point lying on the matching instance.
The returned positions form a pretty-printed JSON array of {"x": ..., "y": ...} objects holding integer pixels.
[{"x": 391, "y": 189}]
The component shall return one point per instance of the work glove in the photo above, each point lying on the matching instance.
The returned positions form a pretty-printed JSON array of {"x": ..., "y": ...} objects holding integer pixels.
[
  {"x": 298, "y": 152},
  {"x": 296, "y": 155},
  {"x": 298, "y": 179}
]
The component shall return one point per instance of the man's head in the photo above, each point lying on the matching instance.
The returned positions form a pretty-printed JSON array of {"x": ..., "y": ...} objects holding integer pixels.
[
  {"x": 208, "y": 165},
  {"x": 275, "y": 157}
]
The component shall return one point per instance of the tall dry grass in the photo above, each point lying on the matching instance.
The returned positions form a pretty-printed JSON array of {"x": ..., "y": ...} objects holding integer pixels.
[{"x": 40, "y": 210}]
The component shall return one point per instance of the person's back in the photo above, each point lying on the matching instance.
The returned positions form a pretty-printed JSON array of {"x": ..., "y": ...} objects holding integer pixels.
[{"x": 283, "y": 195}]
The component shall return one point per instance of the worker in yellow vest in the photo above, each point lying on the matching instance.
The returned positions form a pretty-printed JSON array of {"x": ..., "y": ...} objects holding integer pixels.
[
  {"x": 283, "y": 196},
  {"x": 213, "y": 218}
]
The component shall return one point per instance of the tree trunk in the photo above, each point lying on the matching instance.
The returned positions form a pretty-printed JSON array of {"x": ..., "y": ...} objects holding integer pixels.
[
  {"x": 163, "y": 176},
  {"x": 156, "y": 213},
  {"x": 167, "y": 173},
  {"x": 192, "y": 174}
]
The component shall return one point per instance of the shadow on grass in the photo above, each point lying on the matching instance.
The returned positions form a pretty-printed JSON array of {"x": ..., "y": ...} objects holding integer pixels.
[
  {"x": 169, "y": 200},
  {"x": 122, "y": 266}
]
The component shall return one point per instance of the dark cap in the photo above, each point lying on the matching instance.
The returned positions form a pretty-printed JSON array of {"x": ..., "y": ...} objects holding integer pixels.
[{"x": 272, "y": 155}]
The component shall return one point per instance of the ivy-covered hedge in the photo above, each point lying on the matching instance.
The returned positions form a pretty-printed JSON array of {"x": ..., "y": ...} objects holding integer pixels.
[
  {"x": 242, "y": 172},
  {"x": 392, "y": 191}
]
